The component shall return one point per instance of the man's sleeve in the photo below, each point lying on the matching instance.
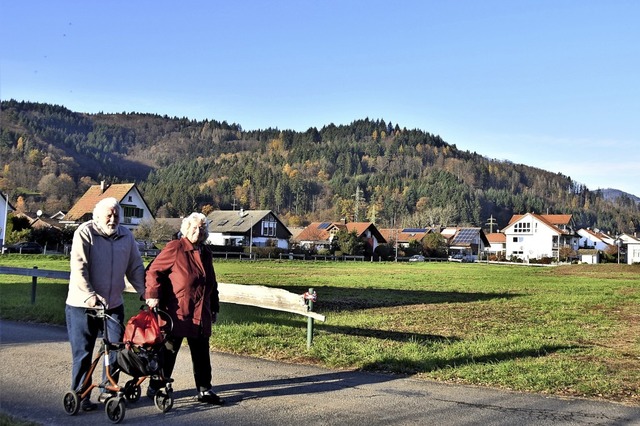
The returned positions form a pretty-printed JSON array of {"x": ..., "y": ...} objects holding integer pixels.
[
  {"x": 79, "y": 261},
  {"x": 135, "y": 268}
]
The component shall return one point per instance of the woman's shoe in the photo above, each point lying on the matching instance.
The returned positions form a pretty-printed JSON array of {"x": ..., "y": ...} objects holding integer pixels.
[
  {"x": 87, "y": 405},
  {"x": 208, "y": 397},
  {"x": 151, "y": 392}
]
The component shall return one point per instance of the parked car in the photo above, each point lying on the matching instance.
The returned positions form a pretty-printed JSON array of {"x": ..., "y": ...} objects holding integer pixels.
[
  {"x": 459, "y": 257},
  {"x": 25, "y": 247},
  {"x": 416, "y": 258}
]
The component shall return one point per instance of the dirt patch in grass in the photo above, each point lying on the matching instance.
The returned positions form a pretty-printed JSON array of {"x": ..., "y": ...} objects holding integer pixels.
[{"x": 602, "y": 271}]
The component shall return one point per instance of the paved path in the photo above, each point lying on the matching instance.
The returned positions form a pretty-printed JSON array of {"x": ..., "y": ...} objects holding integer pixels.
[{"x": 35, "y": 366}]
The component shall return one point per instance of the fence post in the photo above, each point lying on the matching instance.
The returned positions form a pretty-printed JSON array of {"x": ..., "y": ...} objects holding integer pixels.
[
  {"x": 310, "y": 321},
  {"x": 34, "y": 283}
]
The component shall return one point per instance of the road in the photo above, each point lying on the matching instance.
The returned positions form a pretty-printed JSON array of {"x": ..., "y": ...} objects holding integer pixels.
[{"x": 35, "y": 373}]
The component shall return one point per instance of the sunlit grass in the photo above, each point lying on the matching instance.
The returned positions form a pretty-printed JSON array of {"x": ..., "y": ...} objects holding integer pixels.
[{"x": 571, "y": 330}]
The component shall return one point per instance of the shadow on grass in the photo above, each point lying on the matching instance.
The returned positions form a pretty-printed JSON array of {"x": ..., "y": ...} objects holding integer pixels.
[
  {"x": 332, "y": 299},
  {"x": 410, "y": 366},
  {"x": 244, "y": 314},
  {"x": 336, "y": 299}
]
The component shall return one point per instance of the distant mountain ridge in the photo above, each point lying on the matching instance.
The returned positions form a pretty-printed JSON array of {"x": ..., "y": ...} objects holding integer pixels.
[
  {"x": 611, "y": 194},
  {"x": 369, "y": 170}
]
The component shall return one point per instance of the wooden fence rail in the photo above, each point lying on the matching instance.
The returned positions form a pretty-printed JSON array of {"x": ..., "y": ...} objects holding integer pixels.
[{"x": 240, "y": 294}]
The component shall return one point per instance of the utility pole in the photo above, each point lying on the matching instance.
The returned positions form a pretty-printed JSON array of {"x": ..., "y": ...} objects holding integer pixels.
[
  {"x": 357, "y": 204},
  {"x": 373, "y": 214},
  {"x": 4, "y": 225},
  {"x": 491, "y": 223}
]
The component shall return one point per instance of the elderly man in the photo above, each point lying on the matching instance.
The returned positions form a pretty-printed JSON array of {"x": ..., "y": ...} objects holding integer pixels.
[{"x": 102, "y": 254}]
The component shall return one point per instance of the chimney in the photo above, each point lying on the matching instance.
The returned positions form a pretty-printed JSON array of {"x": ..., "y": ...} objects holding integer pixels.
[{"x": 103, "y": 186}]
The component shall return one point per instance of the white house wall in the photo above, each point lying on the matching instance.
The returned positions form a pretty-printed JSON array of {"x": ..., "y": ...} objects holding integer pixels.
[
  {"x": 633, "y": 253},
  {"x": 264, "y": 241},
  {"x": 133, "y": 198},
  {"x": 3, "y": 217},
  {"x": 535, "y": 244},
  {"x": 219, "y": 239},
  {"x": 496, "y": 248},
  {"x": 591, "y": 241}
]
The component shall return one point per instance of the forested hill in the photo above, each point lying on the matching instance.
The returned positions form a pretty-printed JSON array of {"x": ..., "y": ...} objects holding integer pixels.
[{"x": 367, "y": 170}]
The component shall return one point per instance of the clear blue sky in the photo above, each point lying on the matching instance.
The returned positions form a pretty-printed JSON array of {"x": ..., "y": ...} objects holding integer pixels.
[{"x": 553, "y": 84}]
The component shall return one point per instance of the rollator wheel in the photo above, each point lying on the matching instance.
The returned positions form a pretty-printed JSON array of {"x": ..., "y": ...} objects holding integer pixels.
[
  {"x": 132, "y": 391},
  {"x": 71, "y": 403},
  {"x": 115, "y": 409},
  {"x": 164, "y": 401}
]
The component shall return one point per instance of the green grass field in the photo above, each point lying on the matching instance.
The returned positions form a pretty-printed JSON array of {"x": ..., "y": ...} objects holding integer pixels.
[{"x": 567, "y": 330}]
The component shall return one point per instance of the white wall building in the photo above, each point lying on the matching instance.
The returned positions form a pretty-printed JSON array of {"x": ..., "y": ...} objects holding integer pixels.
[
  {"x": 534, "y": 236},
  {"x": 5, "y": 209},
  {"x": 134, "y": 208},
  {"x": 257, "y": 228},
  {"x": 631, "y": 249},
  {"x": 593, "y": 239}
]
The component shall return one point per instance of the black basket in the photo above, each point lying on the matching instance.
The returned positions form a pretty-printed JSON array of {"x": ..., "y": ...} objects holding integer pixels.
[{"x": 140, "y": 362}]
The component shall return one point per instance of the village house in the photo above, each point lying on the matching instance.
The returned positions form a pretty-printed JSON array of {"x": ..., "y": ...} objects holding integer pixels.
[
  {"x": 497, "y": 244},
  {"x": 594, "y": 239},
  {"x": 5, "y": 209},
  {"x": 591, "y": 244},
  {"x": 535, "y": 236},
  {"x": 632, "y": 248},
  {"x": 404, "y": 237},
  {"x": 470, "y": 243},
  {"x": 134, "y": 208},
  {"x": 256, "y": 228},
  {"x": 319, "y": 235}
]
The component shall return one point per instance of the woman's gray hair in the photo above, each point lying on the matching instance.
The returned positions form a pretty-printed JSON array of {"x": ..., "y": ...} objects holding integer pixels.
[
  {"x": 105, "y": 205},
  {"x": 198, "y": 218}
]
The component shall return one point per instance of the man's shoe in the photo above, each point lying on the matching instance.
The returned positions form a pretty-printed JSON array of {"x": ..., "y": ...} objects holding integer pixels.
[
  {"x": 87, "y": 405},
  {"x": 208, "y": 397}
]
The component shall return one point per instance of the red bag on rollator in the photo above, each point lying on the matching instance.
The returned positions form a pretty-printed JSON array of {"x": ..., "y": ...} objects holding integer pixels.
[{"x": 143, "y": 330}]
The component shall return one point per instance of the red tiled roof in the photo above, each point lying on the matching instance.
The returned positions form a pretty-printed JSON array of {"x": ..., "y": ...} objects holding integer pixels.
[
  {"x": 553, "y": 219},
  {"x": 391, "y": 234},
  {"x": 321, "y": 231},
  {"x": 314, "y": 232},
  {"x": 87, "y": 202},
  {"x": 497, "y": 237}
]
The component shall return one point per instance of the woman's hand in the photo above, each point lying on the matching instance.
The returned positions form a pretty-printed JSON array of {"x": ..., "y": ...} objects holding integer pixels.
[{"x": 152, "y": 303}]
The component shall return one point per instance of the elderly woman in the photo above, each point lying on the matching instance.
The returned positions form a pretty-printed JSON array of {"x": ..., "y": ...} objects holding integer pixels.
[{"x": 181, "y": 281}]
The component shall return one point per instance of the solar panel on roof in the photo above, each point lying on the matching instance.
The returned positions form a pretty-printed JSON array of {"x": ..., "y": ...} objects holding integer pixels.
[
  {"x": 413, "y": 230},
  {"x": 465, "y": 236},
  {"x": 324, "y": 225}
]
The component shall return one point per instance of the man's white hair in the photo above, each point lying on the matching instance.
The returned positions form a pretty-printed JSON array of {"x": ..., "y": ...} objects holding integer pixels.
[
  {"x": 198, "y": 218},
  {"x": 105, "y": 205}
]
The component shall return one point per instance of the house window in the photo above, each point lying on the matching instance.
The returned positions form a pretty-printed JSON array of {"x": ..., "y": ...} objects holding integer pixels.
[
  {"x": 132, "y": 211},
  {"x": 269, "y": 228},
  {"x": 522, "y": 227}
]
